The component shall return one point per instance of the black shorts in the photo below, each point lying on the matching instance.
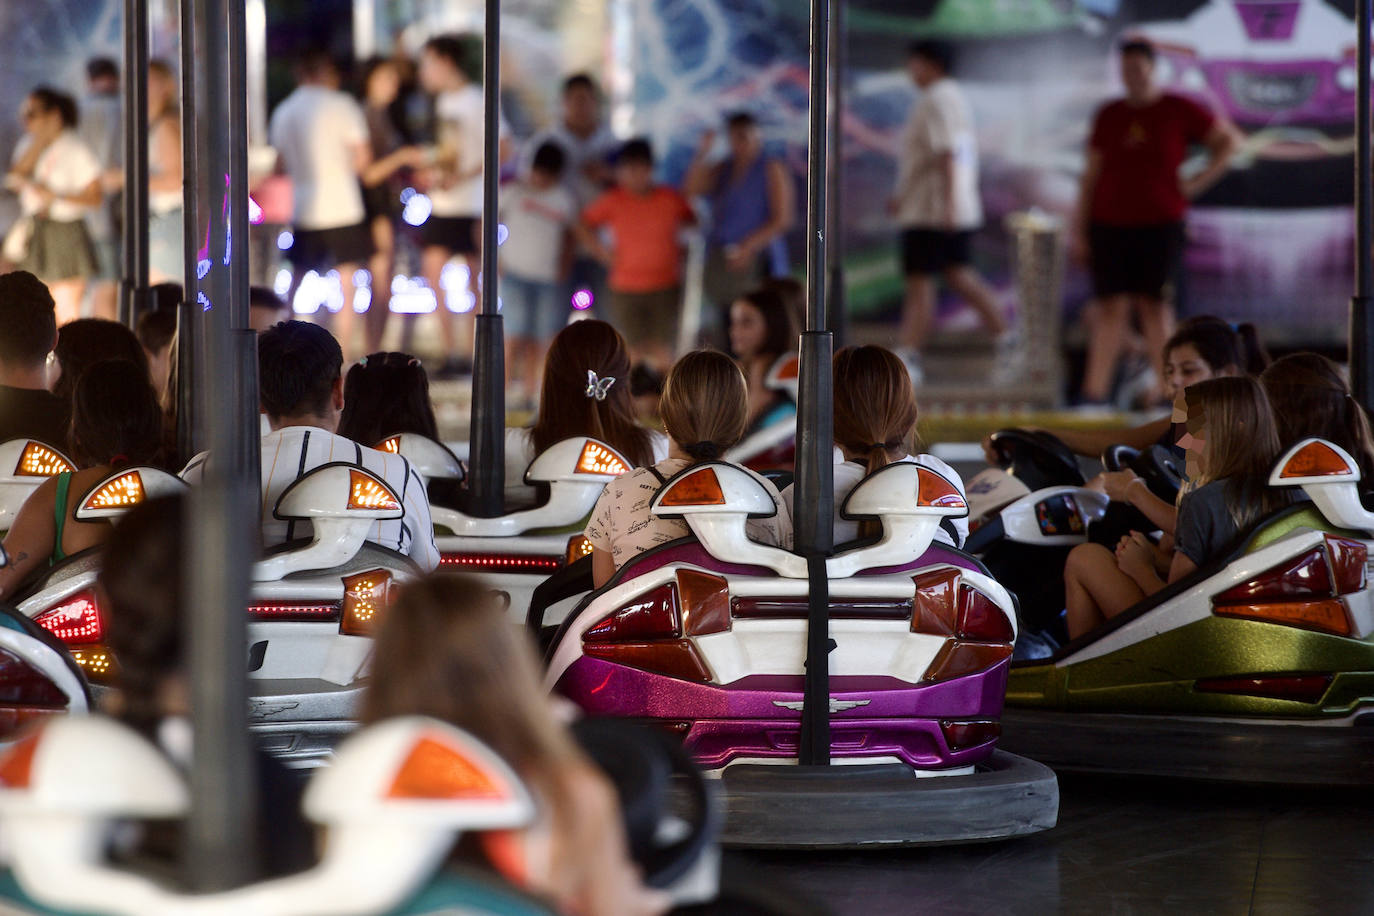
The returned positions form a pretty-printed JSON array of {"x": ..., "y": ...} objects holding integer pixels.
[
  {"x": 931, "y": 251},
  {"x": 1134, "y": 260},
  {"x": 322, "y": 250},
  {"x": 456, "y": 233}
]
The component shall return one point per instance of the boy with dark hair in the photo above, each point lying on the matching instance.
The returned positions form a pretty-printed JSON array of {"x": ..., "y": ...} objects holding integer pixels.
[
  {"x": 450, "y": 67},
  {"x": 28, "y": 333},
  {"x": 300, "y": 382},
  {"x": 538, "y": 213},
  {"x": 645, "y": 255}
]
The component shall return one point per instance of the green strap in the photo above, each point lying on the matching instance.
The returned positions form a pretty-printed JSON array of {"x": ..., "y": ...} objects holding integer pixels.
[{"x": 64, "y": 480}]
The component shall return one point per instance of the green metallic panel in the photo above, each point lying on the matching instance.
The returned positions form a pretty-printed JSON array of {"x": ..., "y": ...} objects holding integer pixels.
[{"x": 1310, "y": 518}]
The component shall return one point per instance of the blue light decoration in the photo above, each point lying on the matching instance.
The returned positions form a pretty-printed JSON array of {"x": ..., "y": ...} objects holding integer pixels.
[{"x": 202, "y": 268}]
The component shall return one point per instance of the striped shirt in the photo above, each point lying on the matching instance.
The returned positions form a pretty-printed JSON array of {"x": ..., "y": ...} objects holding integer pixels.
[{"x": 291, "y": 452}]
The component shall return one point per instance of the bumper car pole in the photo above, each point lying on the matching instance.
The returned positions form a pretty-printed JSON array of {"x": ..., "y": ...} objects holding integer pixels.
[
  {"x": 1362, "y": 305},
  {"x": 487, "y": 460},
  {"x": 189, "y": 328},
  {"x": 814, "y": 521},
  {"x": 835, "y": 176},
  {"x": 221, "y": 520},
  {"x": 134, "y": 293}
]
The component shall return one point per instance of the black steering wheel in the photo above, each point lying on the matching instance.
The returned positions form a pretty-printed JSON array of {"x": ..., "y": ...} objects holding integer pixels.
[
  {"x": 1036, "y": 458},
  {"x": 645, "y": 766},
  {"x": 1162, "y": 470},
  {"x": 1119, "y": 457}
]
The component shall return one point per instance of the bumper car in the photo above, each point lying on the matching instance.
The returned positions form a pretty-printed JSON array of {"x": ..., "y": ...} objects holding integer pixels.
[
  {"x": 517, "y": 551},
  {"x": 706, "y": 638},
  {"x": 1258, "y": 667},
  {"x": 774, "y": 447},
  {"x": 314, "y": 603},
  {"x": 24, "y": 465},
  {"x": 391, "y": 807}
]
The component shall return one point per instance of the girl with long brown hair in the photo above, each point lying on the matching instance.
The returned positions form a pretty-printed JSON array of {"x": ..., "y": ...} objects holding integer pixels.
[
  {"x": 762, "y": 331},
  {"x": 875, "y": 416},
  {"x": 1232, "y": 443},
  {"x": 446, "y": 649},
  {"x": 704, "y": 409},
  {"x": 586, "y": 392},
  {"x": 1312, "y": 398}
]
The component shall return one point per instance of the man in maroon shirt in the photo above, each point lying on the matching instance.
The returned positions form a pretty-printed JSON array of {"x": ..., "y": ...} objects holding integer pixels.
[{"x": 1131, "y": 205}]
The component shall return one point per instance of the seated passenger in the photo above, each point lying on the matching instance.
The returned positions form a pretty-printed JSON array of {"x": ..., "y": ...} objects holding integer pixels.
[
  {"x": 116, "y": 421},
  {"x": 140, "y": 581},
  {"x": 28, "y": 331},
  {"x": 85, "y": 342},
  {"x": 156, "y": 331},
  {"x": 301, "y": 387},
  {"x": 761, "y": 331},
  {"x": 1202, "y": 347},
  {"x": 446, "y": 649},
  {"x": 1311, "y": 397},
  {"x": 385, "y": 394},
  {"x": 586, "y": 392},
  {"x": 703, "y": 409},
  {"x": 1232, "y": 444},
  {"x": 875, "y": 414}
]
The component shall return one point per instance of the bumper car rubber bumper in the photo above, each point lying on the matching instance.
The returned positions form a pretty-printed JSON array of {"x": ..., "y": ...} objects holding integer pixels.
[
  {"x": 1218, "y": 750},
  {"x": 837, "y": 807}
]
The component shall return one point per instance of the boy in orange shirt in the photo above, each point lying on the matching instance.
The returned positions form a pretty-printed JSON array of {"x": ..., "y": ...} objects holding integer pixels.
[{"x": 645, "y": 256}]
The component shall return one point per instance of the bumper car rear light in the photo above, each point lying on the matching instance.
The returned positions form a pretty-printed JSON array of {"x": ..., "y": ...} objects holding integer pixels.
[
  {"x": 676, "y": 658},
  {"x": 1336, "y": 568},
  {"x": 958, "y": 659},
  {"x": 705, "y": 602},
  {"x": 962, "y": 735},
  {"x": 502, "y": 562},
  {"x": 797, "y": 608},
  {"x": 366, "y": 597},
  {"x": 652, "y": 615},
  {"x": 1349, "y": 561},
  {"x": 97, "y": 663},
  {"x": 76, "y": 621},
  {"x": 1304, "y": 688},
  {"x": 937, "y": 599},
  {"x": 981, "y": 619},
  {"x": 293, "y": 611},
  {"x": 578, "y": 547},
  {"x": 1326, "y": 615}
]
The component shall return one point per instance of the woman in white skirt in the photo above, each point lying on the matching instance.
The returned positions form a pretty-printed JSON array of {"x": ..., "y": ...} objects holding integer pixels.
[{"x": 57, "y": 178}]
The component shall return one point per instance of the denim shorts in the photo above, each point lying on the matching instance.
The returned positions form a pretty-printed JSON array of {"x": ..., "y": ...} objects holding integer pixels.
[{"x": 533, "y": 309}]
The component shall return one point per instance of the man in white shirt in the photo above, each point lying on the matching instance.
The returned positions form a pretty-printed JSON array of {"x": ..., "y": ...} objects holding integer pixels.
[
  {"x": 449, "y": 68},
  {"x": 588, "y": 146},
  {"x": 936, "y": 200},
  {"x": 320, "y": 135},
  {"x": 301, "y": 385}
]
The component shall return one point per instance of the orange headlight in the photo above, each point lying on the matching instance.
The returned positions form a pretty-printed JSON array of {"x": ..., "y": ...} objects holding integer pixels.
[{"x": 366, "y": 596}]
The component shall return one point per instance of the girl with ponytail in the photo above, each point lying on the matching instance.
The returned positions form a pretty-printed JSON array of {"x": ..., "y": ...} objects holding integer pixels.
[
  {"x": 705, "y": 411},
  {"x": 875, "y": 414}
]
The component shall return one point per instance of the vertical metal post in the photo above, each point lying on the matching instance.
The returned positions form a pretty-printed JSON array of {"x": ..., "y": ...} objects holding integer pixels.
[
  {"x": 834, "y": 193},
  {"x": 221, "y": 516},
  {"x": 133, "y": 289},
  {"x": 189, "y": 325},
  {"x": 1361, "y": 305},
  {"x": 814, "y": 520},
  {"x": 487, "y": 453}
]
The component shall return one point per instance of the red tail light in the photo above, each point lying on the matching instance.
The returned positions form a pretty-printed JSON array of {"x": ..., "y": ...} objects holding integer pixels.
[
  {"x": 653, "y": 615},
  {"x": 647, "y": 634},
  {"x": 1303, "y": 591},
  {"x": 981, "y": 619},
  {"x": 293, "y": 611},
  {"x": 502, "y": 562},
  {"x": 960, "y": 735},
  {"x": 76, "y": 621},
  {"x": 1303, "y": 688}
]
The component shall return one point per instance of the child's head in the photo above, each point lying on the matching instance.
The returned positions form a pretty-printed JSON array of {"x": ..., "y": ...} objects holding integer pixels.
[
  {"x": 1205, "y": 347},
  {"x": 446, "y": 62},
  {"x": 875, "y": 406},
  {"x": 571, "y": 405},
  {"x": 1310, "y": 397},
  {"x": 446, "y": 648},
  {"x": 704, "y": 405},
  {"x": 87, "y": 341},
  {"x": 116, "y": 418},
  {"x": 547, "y": 167},
  {"x": 386, "y": 394},
  {"x": 1230, "y": 430},
  {"x": 761, "y": 325},
  {"x": 634, "y": 166}
]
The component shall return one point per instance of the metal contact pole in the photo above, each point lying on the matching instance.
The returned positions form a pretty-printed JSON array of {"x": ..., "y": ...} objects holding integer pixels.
[
  {"x": 133, "y": 288},
  {"x": 1361, "y": 305},
  {"x": 220, "y": 515},
  {"x": 189, "y": 325},
  {"x": 487, "y": 456},
  {"x": 814, "y": 520},
  {"x": 834, "y": 194}
]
